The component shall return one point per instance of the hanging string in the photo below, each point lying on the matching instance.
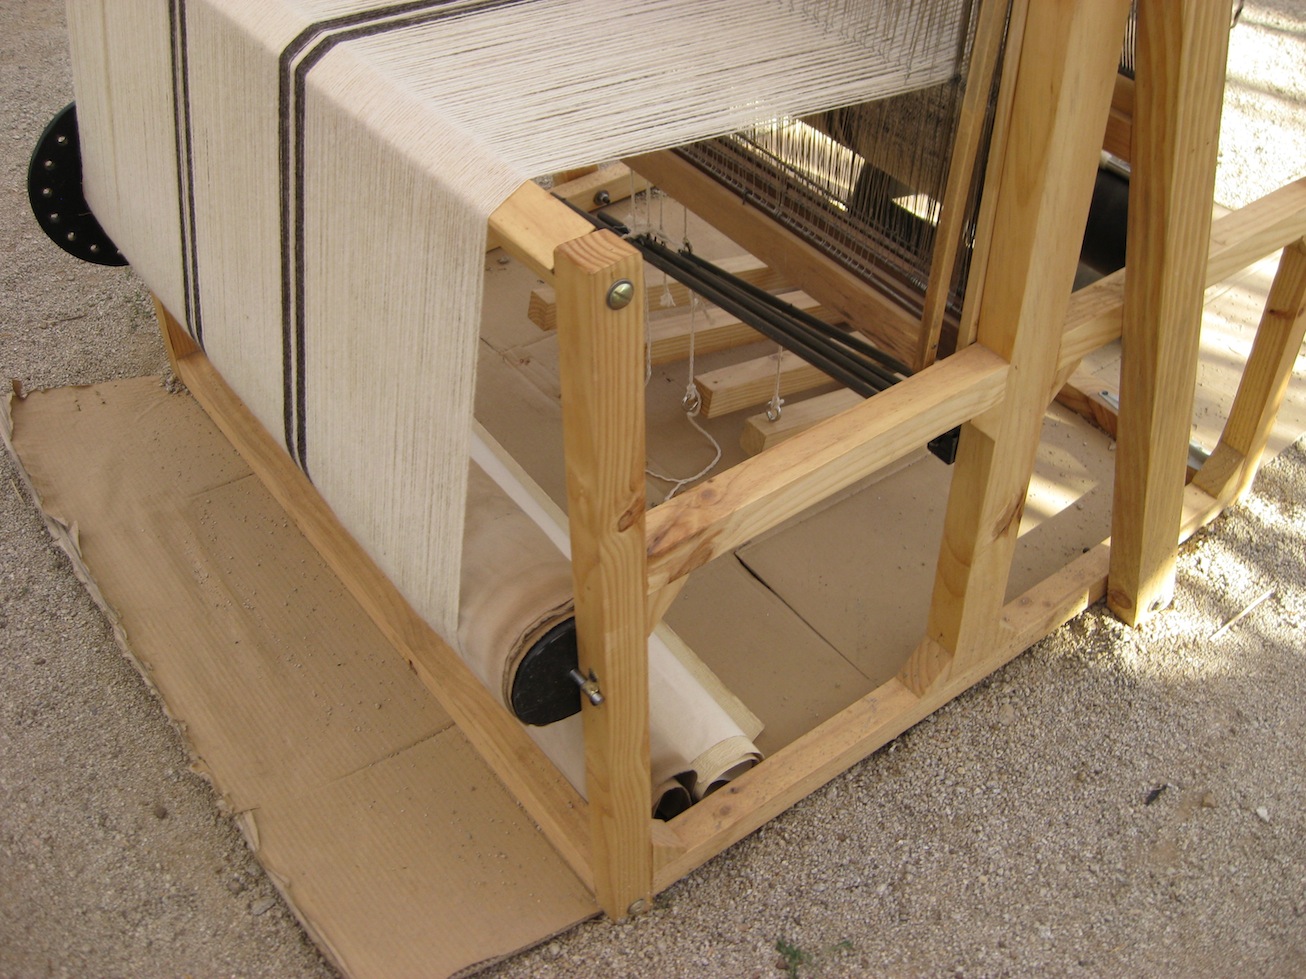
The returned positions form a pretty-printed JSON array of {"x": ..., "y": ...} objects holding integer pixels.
[
  {"x": 692, "y": 404},
  {"x": 776, "y": 404}
]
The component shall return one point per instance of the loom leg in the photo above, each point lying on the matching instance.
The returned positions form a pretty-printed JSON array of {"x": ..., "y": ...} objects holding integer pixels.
[
  {"x": 1180, "y": 80},
  {"x": 1066, "y": 73},
  {"x": 602, "y": 371},
  {"x": 1228, "y": 473}
]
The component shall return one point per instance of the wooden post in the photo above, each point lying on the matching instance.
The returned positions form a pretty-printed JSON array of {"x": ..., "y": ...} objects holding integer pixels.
[
  {"x": 1228, "y": 473},
  {"x": 1179, "y": 83},
  {"x": 961, "y": 170},
  {"x": 1067, "y": 67},
  {"x": 601, "y": 352}
]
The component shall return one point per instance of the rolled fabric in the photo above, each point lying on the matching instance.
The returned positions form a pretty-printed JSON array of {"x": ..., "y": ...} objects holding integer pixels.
[{"x": 515, "y": 587}]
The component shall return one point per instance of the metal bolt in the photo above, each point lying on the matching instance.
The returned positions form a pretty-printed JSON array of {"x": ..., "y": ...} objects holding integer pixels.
[
  {"x": 602, "y": 198},
  {"x": 589, "y": 686},
  {"x": 621, "y": 294}
]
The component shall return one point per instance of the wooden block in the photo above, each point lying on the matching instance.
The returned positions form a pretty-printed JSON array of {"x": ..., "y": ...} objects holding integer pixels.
[
  {"x": 760, "y": 432},
  {"x": 530, "y": 224},
  {"x": 713, "y": 330},
  {"x": 753, "y": 382},
  {"x": 599, "y": 187}
]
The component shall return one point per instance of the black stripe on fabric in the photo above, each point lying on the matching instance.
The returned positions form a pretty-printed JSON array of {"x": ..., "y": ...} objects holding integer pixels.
[
  {"x": 197, "y": 308},
  {"x": 290, "y": 162},
  {"x": 185, "y": 168},
  {"x": 314, "y": 43}
]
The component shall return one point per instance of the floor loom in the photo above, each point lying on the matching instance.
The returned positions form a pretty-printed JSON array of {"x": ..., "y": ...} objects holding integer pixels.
[{"x": 1012, "y": 355}]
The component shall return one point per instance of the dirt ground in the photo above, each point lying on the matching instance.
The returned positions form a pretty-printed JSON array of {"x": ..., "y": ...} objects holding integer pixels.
[{"x": 1114, "y": 802}]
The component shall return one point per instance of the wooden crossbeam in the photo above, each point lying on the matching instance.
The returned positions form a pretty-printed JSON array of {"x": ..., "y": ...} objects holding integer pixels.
[
  {"x": 753, "y": 382},
  {"x": 1227, "y": 474},
  {"x": 723, "y": 512}
]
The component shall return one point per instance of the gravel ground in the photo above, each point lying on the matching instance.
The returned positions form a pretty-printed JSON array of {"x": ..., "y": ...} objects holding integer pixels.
[{"x": 1114, "y": 802}]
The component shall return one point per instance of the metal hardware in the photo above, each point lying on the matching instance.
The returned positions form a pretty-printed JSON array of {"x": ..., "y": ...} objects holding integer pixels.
[
  {"x": 621, "y": 294},
  {"x": 54, "y": 191},
  {"x": 588, "y": 686},
  {"x": 602, "y": 199}
]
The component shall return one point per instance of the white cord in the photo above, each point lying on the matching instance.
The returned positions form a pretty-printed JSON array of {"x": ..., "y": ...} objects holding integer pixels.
[{"x": 692, "y": 404}]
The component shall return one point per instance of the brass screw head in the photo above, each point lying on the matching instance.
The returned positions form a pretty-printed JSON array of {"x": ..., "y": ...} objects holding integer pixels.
[{"x": 621, "y": 294}]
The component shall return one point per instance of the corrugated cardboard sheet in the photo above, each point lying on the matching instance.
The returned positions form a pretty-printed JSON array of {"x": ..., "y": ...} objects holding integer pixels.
[{"x": 399, "y": 850}]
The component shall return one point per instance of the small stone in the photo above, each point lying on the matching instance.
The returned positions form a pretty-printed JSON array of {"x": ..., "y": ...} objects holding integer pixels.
[
  {"x": 262, "y": 906},
  {"x": 1263, "y": 814},
  {"x": 1208, "y": 800},
  {"x": 1006, "y": 714},
  {"x": 160, "y": 811},
  {"x": 235, "y": 885}
]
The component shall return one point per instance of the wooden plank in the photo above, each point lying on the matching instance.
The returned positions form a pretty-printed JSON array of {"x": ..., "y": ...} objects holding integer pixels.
[
  {"x": 600, "y": 187},
  {"x": 176, "y": 341},
  {"x": 1118, "y": 140},
  {"x": 543, "y": 312},
  {"x": 752, "y": 382},
  {"x": 601, "y": 366},
  {"x": 1083, "y": 394},
  {"x": 761, "y": 433},
  {"x": 534, "y": 780},
  {"x": 712, "y": 329},
  {"x": 1261, "y": 228},
  {"x": 998, "y": 148},
  {"x": 1181, "y": 54},
  {"x": 732, "y": 507},
  {"x": 530, "y": 224},
  {"x": 961, "y": 169},
  {"x": 1067, "y": 67},
  {"x": 586, "y": 190},
  {"x": 1227, "y": 475},
  {"x": 1237, "y": 240},
  {"x": 810, "y": 270}
]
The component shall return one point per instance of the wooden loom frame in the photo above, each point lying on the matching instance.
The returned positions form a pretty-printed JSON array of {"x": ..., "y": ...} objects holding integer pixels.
[{"x": 629, "y": 566}]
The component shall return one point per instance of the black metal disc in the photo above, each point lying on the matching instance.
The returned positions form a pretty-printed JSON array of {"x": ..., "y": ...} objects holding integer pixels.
[
  {"x": 542, "y": 691},
  {"x": 54, "y": 189}
]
